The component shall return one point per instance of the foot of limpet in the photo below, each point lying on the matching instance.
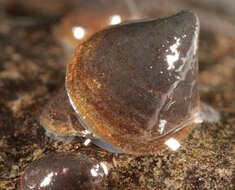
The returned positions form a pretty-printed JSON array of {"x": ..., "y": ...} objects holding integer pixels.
[
  {"x": 52, "y": 135},
  {"x": 207, "y": 114},
  {"x": 102, "y": 144},
  {"x": 59, "y": 119}
]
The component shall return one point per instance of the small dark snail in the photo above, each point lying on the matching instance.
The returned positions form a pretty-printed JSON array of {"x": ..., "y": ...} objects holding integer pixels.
[
  {"x": 133, "y": 86},
  {"x": 89, "y": 17},
  {"x": 64, "y": 171}
]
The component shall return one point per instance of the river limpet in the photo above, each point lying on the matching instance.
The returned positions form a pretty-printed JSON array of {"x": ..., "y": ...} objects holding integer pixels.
[
  {"x": 66, "y": 171},
  {"x": 133, "y": 87}
]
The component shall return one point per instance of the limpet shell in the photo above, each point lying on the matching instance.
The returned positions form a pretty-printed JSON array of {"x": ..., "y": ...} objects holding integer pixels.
[
  {"x": 89, "y": 17},
  {"x": 134, "y": 85},
  {"x": 64, "y": 171}
]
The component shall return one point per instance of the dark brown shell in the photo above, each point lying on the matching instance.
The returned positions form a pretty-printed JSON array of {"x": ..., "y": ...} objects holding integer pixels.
[
  {"x": 135, "y": 85},
  {"x": 63, "y": 171}
]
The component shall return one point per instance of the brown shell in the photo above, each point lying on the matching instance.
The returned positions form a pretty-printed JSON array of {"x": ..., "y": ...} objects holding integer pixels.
[
  {"x": 63, "y": 171},
  {"x": 92, "y": 16},
  {"x": 134, "y": 85}
]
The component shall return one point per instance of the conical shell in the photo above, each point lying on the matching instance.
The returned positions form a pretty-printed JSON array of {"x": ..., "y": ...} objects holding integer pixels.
[{"x": 134, "y": 85}]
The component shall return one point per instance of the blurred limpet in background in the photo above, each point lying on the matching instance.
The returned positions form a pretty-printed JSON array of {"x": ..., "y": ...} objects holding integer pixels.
[{"x": 91, "y": 16}]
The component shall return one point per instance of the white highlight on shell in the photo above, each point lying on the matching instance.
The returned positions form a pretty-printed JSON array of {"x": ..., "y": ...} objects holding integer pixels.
[
  {"x": 86, "y": 132},
  {"x": 162, "y": 125},
  {"x": 65, "y": 170},
  {"x": 198, "y": 120},
  {"x": 99, "y": 170},
  {"x": 115, "y": 19},
  {"x": 182, "y": 68},
  {"x": 105, "y": 168},
  {"x": 174, "y": 56},
  {"x": 173, "y": 144},
  {"x": 47, "y": 180},
  {"x": 87, "y": 142},
  {"x": 78, "y": 32},
  {"x": 94, "y": 172}
]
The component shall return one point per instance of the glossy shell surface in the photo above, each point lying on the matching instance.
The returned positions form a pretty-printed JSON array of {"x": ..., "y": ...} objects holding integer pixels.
[
  {"x": 65, "y": 171},
  {"x": 134, "y": 85}
]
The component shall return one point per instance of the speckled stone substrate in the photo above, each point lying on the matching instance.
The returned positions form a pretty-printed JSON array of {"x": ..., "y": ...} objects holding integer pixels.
[{"x": 32, "y": 69}]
